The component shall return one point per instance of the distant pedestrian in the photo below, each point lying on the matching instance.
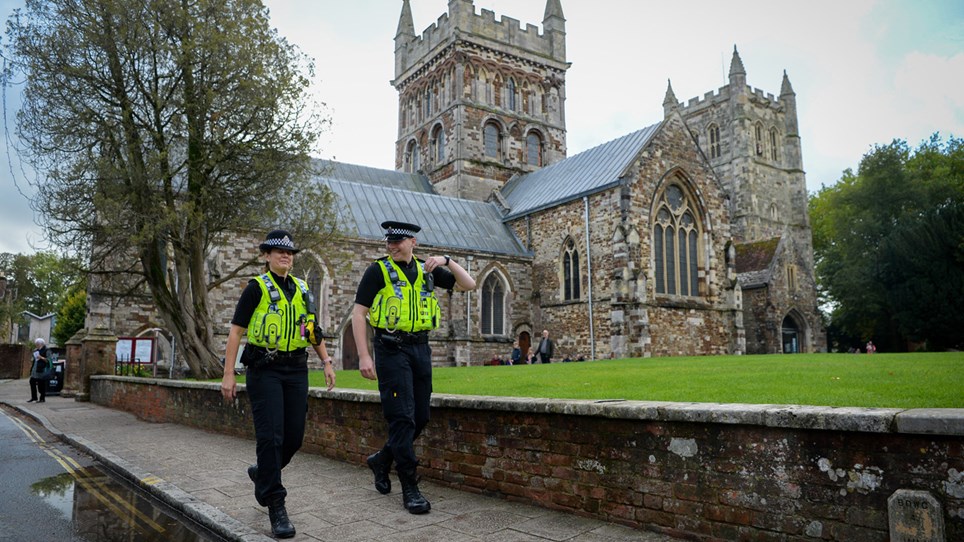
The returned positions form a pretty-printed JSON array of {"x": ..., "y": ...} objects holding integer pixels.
[
  {"x": 546, "y": 346},
  {"x": 277, "y": 313},
  {"x": 871, "y": 348},
  {"x": 39, "y": 372},
  {"x": 516, "y": 356}
]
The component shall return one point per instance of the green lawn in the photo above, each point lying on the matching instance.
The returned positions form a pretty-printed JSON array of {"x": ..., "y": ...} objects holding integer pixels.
[{"x": 934, "y": 380}]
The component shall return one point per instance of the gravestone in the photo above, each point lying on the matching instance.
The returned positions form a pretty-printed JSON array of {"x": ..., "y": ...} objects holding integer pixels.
[{"x": 915, "y": 516}]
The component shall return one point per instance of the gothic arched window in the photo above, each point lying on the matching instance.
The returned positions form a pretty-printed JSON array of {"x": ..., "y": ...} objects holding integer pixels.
[
  {"x": 714, "y": 132},
  {"x": 438, "y": 144},
  {"x": 570, "y": 271},
  {"x": 773, "y": 144},
  {"x": 510, "y": 100},
  {"x": 758, "y": 138},
  {"x": 493, "y": 305},
  {"x": 319, "y": 284},
  {"x": 676, "y": 234},
  {"x": 411, "y": 157},
  {"x": 492, "y": 140},
  {"x": 534, "y": 149}
]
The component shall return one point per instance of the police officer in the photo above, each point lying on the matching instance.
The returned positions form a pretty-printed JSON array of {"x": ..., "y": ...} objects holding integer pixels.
[
  {"x": 396, "y": 296},
  {"x": 277, "y": 312}
]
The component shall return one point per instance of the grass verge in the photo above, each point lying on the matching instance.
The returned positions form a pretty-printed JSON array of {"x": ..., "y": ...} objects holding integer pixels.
[{"x": 919, "y": 380}]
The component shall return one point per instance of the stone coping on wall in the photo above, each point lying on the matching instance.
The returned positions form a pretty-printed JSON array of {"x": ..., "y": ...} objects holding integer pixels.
[{"x": 929, "y": 421}]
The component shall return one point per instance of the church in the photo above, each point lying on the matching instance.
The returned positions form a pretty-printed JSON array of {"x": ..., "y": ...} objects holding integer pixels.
[{"x": 686, "y": 237}]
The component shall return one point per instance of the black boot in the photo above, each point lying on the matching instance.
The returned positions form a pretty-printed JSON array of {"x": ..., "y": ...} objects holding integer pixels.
[
  {"x": 253, "y": 473},
  {"x": 381, "y": 465},
  {"x": 414, "y": 502},
  {"x": 281, "y": 526}
]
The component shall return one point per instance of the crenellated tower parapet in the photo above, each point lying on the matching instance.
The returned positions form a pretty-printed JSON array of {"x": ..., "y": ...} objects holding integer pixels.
[{"x": 462, "y": 23}]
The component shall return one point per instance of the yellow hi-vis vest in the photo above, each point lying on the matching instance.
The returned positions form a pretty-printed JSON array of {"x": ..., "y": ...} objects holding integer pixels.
[
  {"x": 278, "y": 324},
  {"x": 401, "y": 306}
]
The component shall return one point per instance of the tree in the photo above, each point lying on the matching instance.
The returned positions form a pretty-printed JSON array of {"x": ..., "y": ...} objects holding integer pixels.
[
  {"x": 35, "y": 282},
  {"x": 893, "y": 190},
  {"x": 923, "y": 273},
  {"x": 158, "y": 127},
  {"x": 71, "y": 316}
]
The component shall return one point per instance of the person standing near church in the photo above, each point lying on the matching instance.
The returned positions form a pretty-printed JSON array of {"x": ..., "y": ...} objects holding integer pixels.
[
  {"x": 277, "y": 313},
  {"x": 39, "y": 371},
  {"x": 396, "y": 296},
  {"x": 546, "y": 346}
]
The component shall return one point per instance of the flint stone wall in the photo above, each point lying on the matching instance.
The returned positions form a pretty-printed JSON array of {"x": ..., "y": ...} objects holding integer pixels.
[{"x": 695, "y": 470}]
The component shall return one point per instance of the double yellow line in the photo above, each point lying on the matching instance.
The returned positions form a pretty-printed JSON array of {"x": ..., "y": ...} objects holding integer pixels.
[{"x": 120, "y": 506}]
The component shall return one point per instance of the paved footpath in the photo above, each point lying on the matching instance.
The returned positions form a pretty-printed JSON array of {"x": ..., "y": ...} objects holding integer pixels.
[{"x": 203, "y": 475}]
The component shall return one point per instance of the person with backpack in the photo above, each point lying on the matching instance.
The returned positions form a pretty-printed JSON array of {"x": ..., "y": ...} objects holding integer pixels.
[{"x": 39, "y": 372}]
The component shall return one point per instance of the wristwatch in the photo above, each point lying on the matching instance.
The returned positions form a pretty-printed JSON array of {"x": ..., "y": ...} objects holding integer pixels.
[{"x": 447, "y": 260}]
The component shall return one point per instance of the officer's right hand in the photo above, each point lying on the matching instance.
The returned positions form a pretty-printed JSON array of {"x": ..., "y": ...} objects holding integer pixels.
[
  {"x": 367, "y": 367},
  {"x": 228, "y": 386}
]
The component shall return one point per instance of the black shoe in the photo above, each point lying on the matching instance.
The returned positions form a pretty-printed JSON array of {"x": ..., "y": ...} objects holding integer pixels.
[
  {"x": 32, "y": 401},
  {"x": 253, "y": 473},
  {"x": 412, "y": 498},
  {"x": 281, "y": 526},
  {"x": 381, "y": 466},
  {"x": 42, "y": 401}
]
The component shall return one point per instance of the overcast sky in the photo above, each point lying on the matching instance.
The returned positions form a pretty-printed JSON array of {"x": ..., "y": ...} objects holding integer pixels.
[{"x": 865, "y": 72}]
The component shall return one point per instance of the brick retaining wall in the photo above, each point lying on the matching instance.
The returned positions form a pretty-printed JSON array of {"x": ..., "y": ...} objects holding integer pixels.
[{"x": 700, "y": 471}]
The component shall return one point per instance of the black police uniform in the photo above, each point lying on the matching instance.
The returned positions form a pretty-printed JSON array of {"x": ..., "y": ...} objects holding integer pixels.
[
  {"x": 403, "y": 362},
  {"x": 278, "y": 392}
]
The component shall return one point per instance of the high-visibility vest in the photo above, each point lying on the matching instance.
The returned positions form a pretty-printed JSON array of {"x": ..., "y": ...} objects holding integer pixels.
[
  {"x": 278, "y": 323},
  {"x": 404, "y": 306}
]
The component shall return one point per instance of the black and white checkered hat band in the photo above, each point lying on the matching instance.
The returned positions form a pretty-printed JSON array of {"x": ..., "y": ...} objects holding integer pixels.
[
  {"x": 399, "y": 231},
  {"x": 284, "y": 242}
]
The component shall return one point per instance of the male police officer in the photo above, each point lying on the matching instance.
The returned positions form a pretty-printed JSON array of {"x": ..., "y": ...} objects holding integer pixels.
[{"x": 396, "y": 296}]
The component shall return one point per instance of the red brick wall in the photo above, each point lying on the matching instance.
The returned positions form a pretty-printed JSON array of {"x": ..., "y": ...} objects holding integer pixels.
[
  {"x": 706, "y": 472},
  {"x": 14, "y": 361}
]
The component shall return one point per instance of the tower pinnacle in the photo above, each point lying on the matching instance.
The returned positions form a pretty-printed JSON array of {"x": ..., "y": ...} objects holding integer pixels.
[
  {"x": 785, "y": 87},
  {"x": 669, "y": 102},
  {"x": 406, "y": 26},
  {"x": 736, "y": 64}
]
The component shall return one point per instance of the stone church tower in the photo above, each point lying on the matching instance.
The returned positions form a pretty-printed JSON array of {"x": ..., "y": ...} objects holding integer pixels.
[
  {"x": 752, "y": 140},
  {"x": 480, "y": 100}
]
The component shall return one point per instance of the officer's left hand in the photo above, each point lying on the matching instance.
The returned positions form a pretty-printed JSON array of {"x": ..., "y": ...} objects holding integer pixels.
[
  {"x": 329, "y": 376},
  {"x": 433, "y": 262}
]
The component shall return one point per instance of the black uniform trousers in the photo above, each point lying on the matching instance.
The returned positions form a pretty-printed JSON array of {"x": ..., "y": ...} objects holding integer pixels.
[
  {"x": 279, "y": 405},
  {"x": 405, "y": 385}
]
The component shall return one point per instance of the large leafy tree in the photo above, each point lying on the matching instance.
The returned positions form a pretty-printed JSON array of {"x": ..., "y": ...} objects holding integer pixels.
[
  {"x": 865, "y": 228},
  {"x": 156, "y": 127}
]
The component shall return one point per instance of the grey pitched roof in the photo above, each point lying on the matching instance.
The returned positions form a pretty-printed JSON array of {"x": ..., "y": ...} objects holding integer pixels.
[
  {"x": 328, "y": 169},
  {"x": 445, "y": 221},
  {"x": 590, "y": 171}
]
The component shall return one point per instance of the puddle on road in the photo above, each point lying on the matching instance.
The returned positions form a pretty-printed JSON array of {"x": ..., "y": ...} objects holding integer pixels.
[{"x": 103, "y": 509}]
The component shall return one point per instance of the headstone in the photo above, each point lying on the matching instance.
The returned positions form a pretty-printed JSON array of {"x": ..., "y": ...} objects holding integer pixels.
[{"x": 915, "y": 516}]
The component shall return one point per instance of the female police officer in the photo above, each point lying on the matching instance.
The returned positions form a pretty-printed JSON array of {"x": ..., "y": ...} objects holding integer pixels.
[
  {"x": 277, "y": 312},
  {"x": 397, "y": 297}
]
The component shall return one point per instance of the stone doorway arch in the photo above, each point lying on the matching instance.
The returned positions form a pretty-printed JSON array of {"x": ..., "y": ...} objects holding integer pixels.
[
  {"x": 525, "y": 341},
  {"x": 792, "y": 336}
]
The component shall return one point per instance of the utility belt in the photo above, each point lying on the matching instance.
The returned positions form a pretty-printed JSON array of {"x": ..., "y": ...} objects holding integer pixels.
[
  {"x": 257, "y": 356},
  {"x": 401, "y": 337}
]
